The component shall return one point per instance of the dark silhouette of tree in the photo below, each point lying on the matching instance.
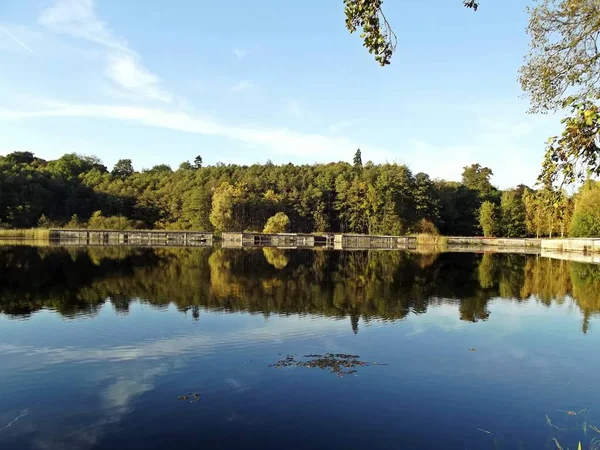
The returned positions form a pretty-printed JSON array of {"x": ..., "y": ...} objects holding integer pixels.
[{"x": 357, "y": 161}]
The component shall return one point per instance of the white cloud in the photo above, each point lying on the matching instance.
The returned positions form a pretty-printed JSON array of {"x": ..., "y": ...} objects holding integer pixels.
[
  {"x": 124, "y": 70},
  {"x": 21, "y": 43},
  {"x": 240, "y": 53},
  {"x": 282, "y": 141},
  {"x": 240, "y": 86},
  {"x": 77, "y": 18}
]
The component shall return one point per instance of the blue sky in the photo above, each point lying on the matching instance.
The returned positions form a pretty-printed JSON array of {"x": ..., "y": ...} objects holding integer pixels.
[{"x": 243, "y": 82}]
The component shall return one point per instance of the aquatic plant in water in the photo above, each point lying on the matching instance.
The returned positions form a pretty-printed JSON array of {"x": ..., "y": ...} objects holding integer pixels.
[
  {"x": 584, "y": 426},
  {"x": 339, "y": 363},
  {"x": 193, "y": 397}
]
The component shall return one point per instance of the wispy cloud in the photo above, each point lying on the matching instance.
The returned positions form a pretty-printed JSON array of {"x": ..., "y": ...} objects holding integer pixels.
[
  {"x": 77, "y": 18},
  {"x": 240, "y": 53},
  {"x": 124, "y": 70},
  {"x": 240, "y": 86},
  {"x": 282, "y": 141},
  {"x": 21, "y": 43}
]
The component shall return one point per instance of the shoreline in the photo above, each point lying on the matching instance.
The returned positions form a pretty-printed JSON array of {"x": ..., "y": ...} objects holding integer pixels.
[{"x": 340, "y": 241}]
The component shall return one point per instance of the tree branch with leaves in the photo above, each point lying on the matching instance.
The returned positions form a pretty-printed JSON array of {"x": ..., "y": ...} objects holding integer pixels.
[{"x": 377, "y": 34}]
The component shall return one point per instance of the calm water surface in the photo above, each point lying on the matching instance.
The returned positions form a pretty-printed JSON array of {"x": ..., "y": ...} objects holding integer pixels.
[{"x": 472, "y": 351}]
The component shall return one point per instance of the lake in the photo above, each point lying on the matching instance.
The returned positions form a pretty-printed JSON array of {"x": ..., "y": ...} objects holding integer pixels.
[{"x": 131, "y": 348}]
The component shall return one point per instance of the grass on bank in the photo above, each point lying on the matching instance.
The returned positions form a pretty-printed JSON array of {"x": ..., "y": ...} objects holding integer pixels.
[
  {"x": 432, "y": 239},
  {"x": 32, "y": 234}
]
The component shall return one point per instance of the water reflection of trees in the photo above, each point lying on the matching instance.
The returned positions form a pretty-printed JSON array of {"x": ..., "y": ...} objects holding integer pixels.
[{"x": 386, "y": 285}]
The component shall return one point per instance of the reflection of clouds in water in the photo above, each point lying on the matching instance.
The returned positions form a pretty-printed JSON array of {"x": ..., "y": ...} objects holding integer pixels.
[
  {"x": 119, "y": 394},
  {"x": 115, "y": 402},
  {"x": 444, "y": 316},
  {"x": 116, "y": 399},
  {"x": 236, "y": 385},
  {"x": 81, "y": 438},
  {"x": 276, "y": 331},
  {"x": 15, "y": 420}
]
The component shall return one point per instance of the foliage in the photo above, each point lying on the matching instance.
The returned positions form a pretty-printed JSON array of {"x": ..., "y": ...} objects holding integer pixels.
[
  {"x": 564, "y": 60},
  {"x": 226, "y": 204},
  {"x": 278, "y": 223},
  {"x": 586, "y": 217},
  {"x": 576, "y": 153},
  {"x": 432, "y": 239},
  {"x": 513, "y": 214},
  {"x": 44, "y": 222},
  {"x": 562, "y": 71},
  {"x": 427, "y": 227},
  {"x": 75, "y": 223},
  {"x": 36, "y": 234},
  {"x": 477, "y": 178},
  {"x": 123, "y": 168},
  {"x": 335, "y": 197},
  {"x": 488, "y": 219},
  {"x": 100, "y": 222},
  {"x": 357, "y": 161},
  {"x": 536, "y": 221},
  {"x": 377, "y": 34},
  {"x": 547, "y": 212}
]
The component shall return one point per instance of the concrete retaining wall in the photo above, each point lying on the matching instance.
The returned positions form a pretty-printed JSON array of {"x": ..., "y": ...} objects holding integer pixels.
[
  {"x": 584, "y": 245},
  {"x": 494, "y": 242},
  {"x": 131, "y": 237}
]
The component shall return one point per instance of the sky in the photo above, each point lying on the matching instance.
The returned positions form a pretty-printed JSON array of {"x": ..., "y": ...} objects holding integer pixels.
[{"x": 245, "y": 82}]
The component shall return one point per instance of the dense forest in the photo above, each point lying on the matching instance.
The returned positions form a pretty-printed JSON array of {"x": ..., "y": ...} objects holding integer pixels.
[
  {"x": 78, "y": 191},
  {"x": 391, "y": 285}
]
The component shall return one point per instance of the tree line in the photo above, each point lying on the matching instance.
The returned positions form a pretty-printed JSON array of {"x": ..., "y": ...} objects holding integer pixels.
[
  {"x": 392, "y": 284},
  {"x": 76, "y": 191}
]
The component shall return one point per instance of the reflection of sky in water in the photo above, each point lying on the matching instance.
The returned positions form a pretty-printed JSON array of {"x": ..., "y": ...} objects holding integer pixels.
[{"x": 114, "y": 379}]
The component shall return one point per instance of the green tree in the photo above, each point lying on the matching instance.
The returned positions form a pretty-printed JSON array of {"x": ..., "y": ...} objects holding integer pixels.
[
  {"x": 427, "y": 203},
  {"x": 488, "y": 219},
  {"x": 123, "y": 168},
  {"x": 226, "y": 214},
  {"x": 357, "y": 161},
  {"x": 477, "y": 178},
  {"x": 72, "y": 165},
  {"x": 561, "y": 70},
  {"x": 459, "y": 208},
  {"x": 536, "y": 218},
  {"x": 160, "y": 168},
  {"x": 564, "y": 61},
  {"x": 198, "y": 162},
  {"x": 278, "y": 223},
  {"x": 44, "y": 222},
  {"x": 20, "y": 158},
  {"x": 513, "y": 214},
  {"x": 586, "y": 217},
  {"x": 75, "y": 222},
  {"x": 576, "y": 153}
]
